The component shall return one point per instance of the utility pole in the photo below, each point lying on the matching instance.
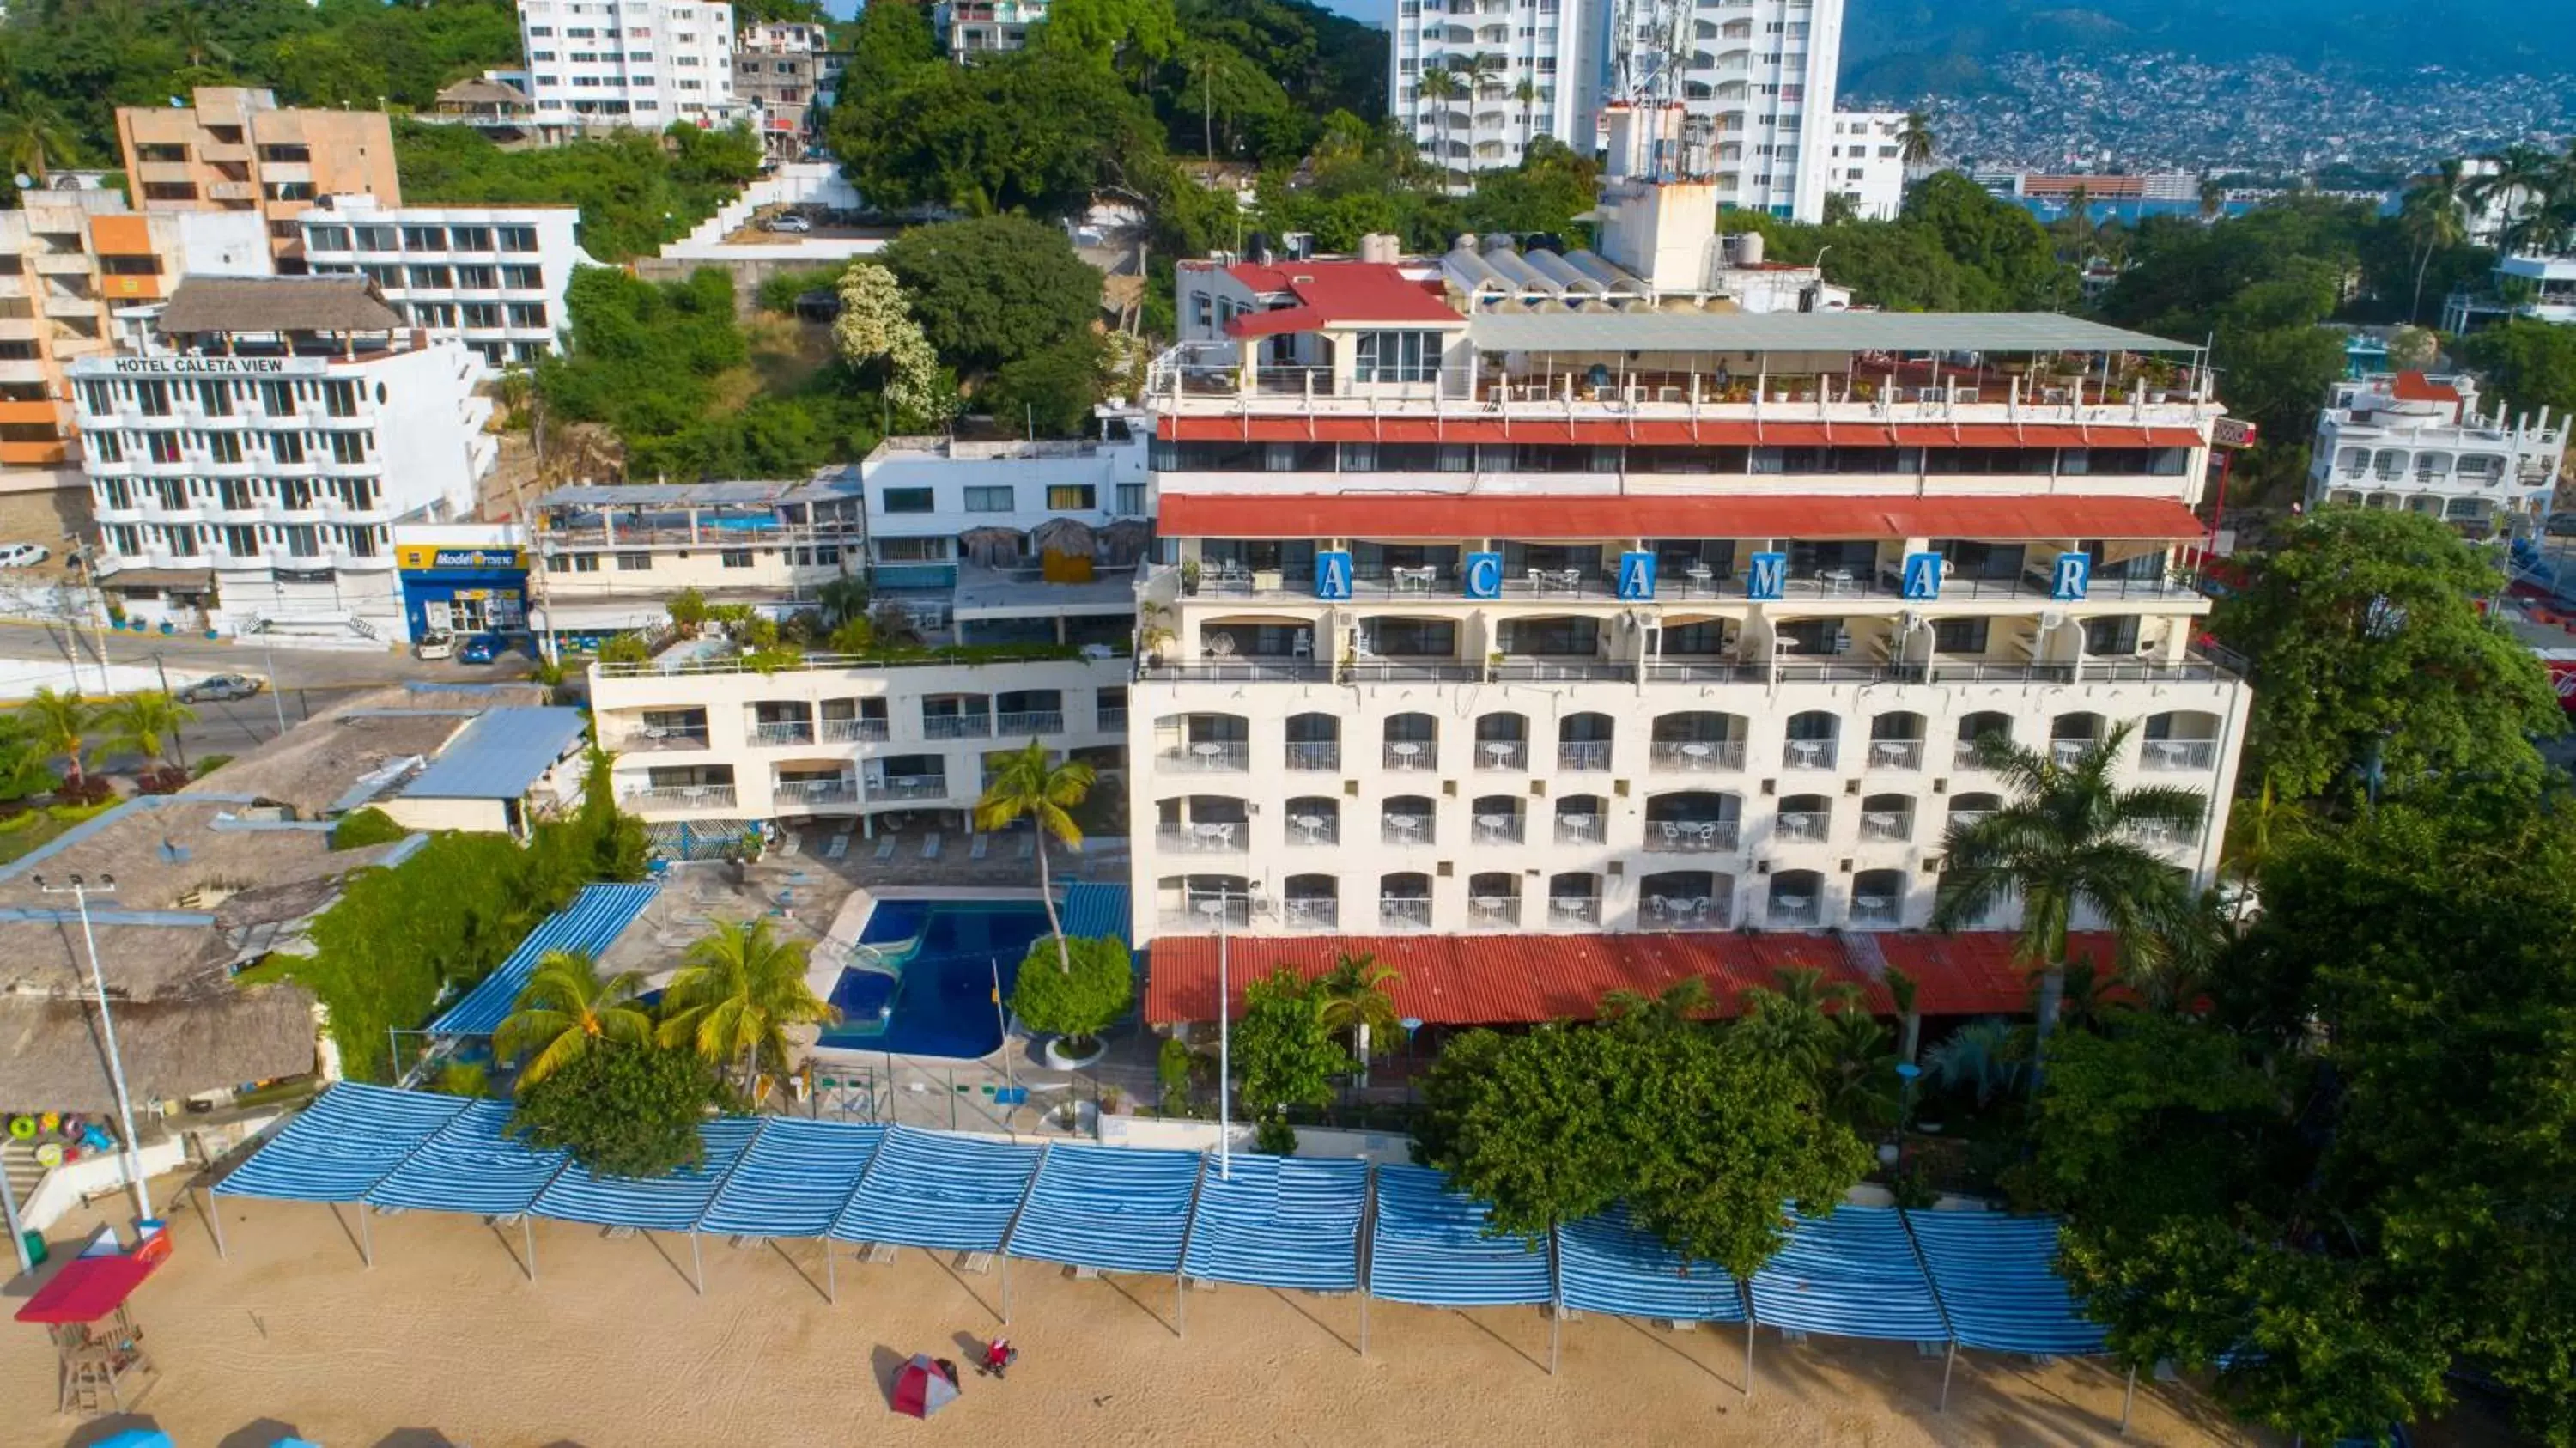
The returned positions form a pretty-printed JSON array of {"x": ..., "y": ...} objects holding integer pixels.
[{"x": 80, "y": 891}]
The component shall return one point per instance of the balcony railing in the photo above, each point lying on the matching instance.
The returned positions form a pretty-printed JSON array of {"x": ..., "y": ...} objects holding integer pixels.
[
  {"x": 1205, "y": 838},
  {"x": 1314, "y": 754},
  {"x": 816, "y": 791},
  {"x": 1032, "y": 721},
  {"x": 1501, "y": 754},
  {"x": 910, "y": 786},
  {"x": 1696, "y": 755},
  {"x": 1309, "y": 830},
  {"x": 1578, "y": 829},
  {"x": 1896, "y": 754},
  {"x": 785, "y": 731},
  {"x": 1690, "y": 836},
  {"x": 1112, "y": 721},
  {"x": 1573, "y": 910},
  {"x": 1583, "y": 756},
  {"x": 1211, "y": 756},
  {"x": 2178, "y": 754},
  {"x": 854, "y": 731},
  {"x": 1237, "y": 915},
  {"x": 1406, "y": 829},
  {"x": 1683, "y": 912},
  {"x": 1494, "y": 910},
  {"x": 1808, "y": 754},
  {"x": 2159, "y": 833},
  {"x": 957, "y": 726},
  {"x": 1793, "y": 910},
  {"x": 649, "y": 737},
  {"x": 680, "y": 796},
  {"x": 1876, "y": 911},
  {"x": 1310, "y": 914},
  {"x": 2068, "y": 752},
  {"x": 1403, "y": 913},
  {"x": 1412, "y": 755},
  {"x": 1802, "y": 826},
  {"x": 1886, "y": 825},
  {"x": 1966, "y": 754}
]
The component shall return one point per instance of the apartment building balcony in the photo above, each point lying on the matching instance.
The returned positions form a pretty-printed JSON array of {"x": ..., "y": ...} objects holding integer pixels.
[
  {"x": 2178, "y": 755},
  {"x": 657, "y": 738},
  {"x": 854, "y": 731},
  {"x": 1403, "y": 914},
  {"x": 1209, "y": 757},
  {"x": 1310, "y": 914},
  {"x": 1582, "y": 756},
  {"x": 815, "y": 793},
  {"x": 1697, "y": 756},
  {"x": 1032, "y": 722},
  {"x": 1691, "y": 837},
  {"x": 1207, "y": 837},
  {"x": 907, "y": 787},
  {"x": 957, "y": 726},
  {"x": 785, "y": 731},
  {"x": 698, "y": 798}
]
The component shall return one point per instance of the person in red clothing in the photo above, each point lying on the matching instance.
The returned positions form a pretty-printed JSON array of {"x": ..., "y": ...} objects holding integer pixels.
[{"x": 999, "y": 1355}]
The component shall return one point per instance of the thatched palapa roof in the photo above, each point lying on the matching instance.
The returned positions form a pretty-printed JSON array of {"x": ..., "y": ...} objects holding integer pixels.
[
  {"x": 52, "y": 1057},
  {"x": 278, "y": 304}
]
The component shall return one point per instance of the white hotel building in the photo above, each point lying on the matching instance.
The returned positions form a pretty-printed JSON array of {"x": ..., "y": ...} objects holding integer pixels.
[
  {"x": 640, "y": 63},
  {"x": 249, "y": 458},
  {"x": 1756, "y": 78},
  {"x": 2417, "y": 442},
  {"x": 492, "y": 277},
  {"x": 1589, "y": 621}
]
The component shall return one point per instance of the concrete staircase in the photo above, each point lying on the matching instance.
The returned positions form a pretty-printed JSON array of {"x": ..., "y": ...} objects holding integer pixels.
[{"x": 18, "y": 1159}]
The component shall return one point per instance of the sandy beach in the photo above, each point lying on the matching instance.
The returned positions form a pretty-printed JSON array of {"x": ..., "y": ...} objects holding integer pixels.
[{"x": 446, "y": 1341}]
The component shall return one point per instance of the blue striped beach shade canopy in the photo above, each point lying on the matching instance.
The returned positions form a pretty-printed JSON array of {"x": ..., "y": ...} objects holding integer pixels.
[
  {"x": 795, "y": 1179},
  {"x": 1429, "y": 1247},
  {"x": 471, "y": 1166},
  {"x": 1109, "y": 1208},
  {"x": 671, "y": 1203},
  {"x": 337, "y": 1149},
  {"x": 591, "y": 923},
  {"x": 947, "y": 1193},
  {"x": 1997, "y": 1278},
  {"x": 1281, "y": 1221},
  {"x": 1851, "y": 1273},
  {"x": 1608, "y": 1265}
]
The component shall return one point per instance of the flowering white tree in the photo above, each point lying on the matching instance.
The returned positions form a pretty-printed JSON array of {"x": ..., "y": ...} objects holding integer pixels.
[{"x": 876, "y": 322}]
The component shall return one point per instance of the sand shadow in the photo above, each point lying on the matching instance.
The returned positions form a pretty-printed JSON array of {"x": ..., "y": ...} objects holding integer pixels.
[
  {"x": 257, "y": 1433},
  {"x": 99, "y": 1430},
  {"x": 1665, "y": 1341},
  {"x": 810, "y": 1280},
  {"x": 965, "y": 1286},
  {"x": 1299, "y": 1308},
  {"x": 654, "y": 1239},
  {"x": 886, "y": 1364},
  {"x": 1112, "y": 1282},
  {"x": 511, "y": 1248},
  {"x": 348, "y": 1231},
  {"x": 1510, "y": 1346}
]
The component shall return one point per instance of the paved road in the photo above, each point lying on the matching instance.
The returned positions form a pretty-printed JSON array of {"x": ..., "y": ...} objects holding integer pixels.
[{"x": 308, "y": 681}]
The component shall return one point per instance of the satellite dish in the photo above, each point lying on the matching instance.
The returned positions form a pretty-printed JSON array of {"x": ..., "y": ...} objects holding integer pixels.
[{"x": 177, "y": 104}]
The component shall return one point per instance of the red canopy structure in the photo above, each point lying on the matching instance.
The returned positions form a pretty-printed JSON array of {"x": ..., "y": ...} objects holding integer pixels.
[{"x": 88, "y": 1289}]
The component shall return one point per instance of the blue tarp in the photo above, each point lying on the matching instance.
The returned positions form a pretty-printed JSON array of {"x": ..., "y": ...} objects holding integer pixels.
[
  {"x": 795, "y": 1179},
  {"x": 1109, "y": 1208},
  {"x": 592, "y": 922},
  {"x": 1997, "y": 1280},
  {"x": 1092, "y": 909},
  {"x": 1851, "y": 1273},
  {"x": 925, "y": 1189},
  {"x": 1279, "y": 1222},
  {"x": 671, "y": 1203},
  {"x": 470, "y": 1166},
  {"x": 1430, "y": 1247},
  {"x": 1607, "y": 1265},
  {"x": 341, "y": 1146}
]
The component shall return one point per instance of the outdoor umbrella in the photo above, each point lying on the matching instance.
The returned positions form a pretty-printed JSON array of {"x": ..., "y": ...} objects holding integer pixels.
[{"x": 921, "y": 1389}]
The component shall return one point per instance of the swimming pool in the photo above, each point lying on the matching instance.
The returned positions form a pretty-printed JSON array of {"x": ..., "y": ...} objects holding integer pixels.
[{"x": 935, "y": 995}]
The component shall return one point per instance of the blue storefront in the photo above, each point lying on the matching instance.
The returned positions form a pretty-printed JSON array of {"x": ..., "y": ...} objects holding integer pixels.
[{"x": 463, "y": 590}]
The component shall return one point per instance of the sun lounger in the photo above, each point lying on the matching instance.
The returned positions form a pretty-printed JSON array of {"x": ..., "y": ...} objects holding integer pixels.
[
  {"x": 1028, "y": 846},
  {"x": 977, "y": 1262},
  {"x": 791, "y": 843},
  {"x": 885, "y": 849},
  {"x": 879, "y": 1253},
  {"x": 930, "y": 845},
  {"x": 839, "y": 846},
  {"x": 976, "y": 850}
]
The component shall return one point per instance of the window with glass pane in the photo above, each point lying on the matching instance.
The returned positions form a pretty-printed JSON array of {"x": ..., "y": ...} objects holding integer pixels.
[
  {"x": 1071, "y": 497},
  {"x": 989, "y": 500},
  {"x": 1959, "y": 635},
  {"x": 1398, "y": 356}
]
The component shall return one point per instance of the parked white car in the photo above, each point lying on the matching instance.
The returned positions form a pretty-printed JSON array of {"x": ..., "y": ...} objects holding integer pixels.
[{"x": 23, "y": 555}]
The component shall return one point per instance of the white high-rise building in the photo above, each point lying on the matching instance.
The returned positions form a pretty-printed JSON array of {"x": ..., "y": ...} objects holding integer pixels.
[
  {"x": 492, "y": 277},
  {"x": 641, "y": 63},
  {"x": 1865, "y": 162},
  {"x": 2420, "y": 443},
  {"x": 1756, "y": 76}
]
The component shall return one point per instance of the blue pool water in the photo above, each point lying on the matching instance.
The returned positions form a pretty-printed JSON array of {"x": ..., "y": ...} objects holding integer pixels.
[{"x": 942, "y": 1002}]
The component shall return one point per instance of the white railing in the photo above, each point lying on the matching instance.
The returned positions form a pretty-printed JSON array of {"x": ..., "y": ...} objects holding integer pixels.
[
  {"x": 816, "y": 791},
  {"x": 1406, "y": 829},
  {"x": 1690, "y": 836},
  {"x": 1793, "y": 910},
  {"x": 1395, "y": 913},
  {"x": 910, "y": 786},
  {"x": 680, "y": 796},
  {"x": 1966, "y": 754},
  {"x": 1034, "y": 721},
  {"x": 1583, "y": 755},
  {"x": 1310, "y": 914},
  {"x": 1211, "y": 756},
  {"x": 790, "y": 731},
  {"x": 1408, "y": 754},
  {"x": 957, "y": 726},
  {"x": 2178, "y": 754},
  {"x": 1896, "y": 754},
  {"x": 1808, "y": 754},
  {"x": 1501, "y": 754},
  {"x": 1312, "y": 754},
  {"x": 1573, "y": 910},
  {"x": 1697, "y": 755},
  {"x": 1578, "y": 829},
  {"x": 1494, "y": 909},
  {"x": 1802, "y": 826},
  {"x": 1886, "y": 825},
  {"x": 854, "y": 731},
  {"x": 1225, "y": 838}
]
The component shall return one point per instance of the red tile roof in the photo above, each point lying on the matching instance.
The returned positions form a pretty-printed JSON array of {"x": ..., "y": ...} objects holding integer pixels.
[
  {"x": 1461, "y": 980},
  {"x": 1245, "y": 427},
  {"x": 1336, "y": 291},
  {"x": 1634, "y": 515},
  {"x": 2416, "y": 387}
]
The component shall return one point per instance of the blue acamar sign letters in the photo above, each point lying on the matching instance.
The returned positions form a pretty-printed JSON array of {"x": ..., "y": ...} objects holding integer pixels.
[
  {"x": 2072, "y": 576},
  {"x": 1483, "y": 575},
  {"x": 1923, "y": 575},
  {"x": 1766, "y": 576},
  {"x": 1333, "y": 575},
  {"x": 1637, "y": 575}
]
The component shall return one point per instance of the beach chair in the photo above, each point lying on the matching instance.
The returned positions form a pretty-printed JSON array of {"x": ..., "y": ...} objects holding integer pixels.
[
  {"x": 839, "y": 846},
  {"x": 791, "y": 843},
  {"x": 885, "y": 849},
  {"x": 879, "y": 1253},
  {"x": 975, "y": 851},
  {"x": 1028, "y": 846},
  {"x": 977, "y": 1262},
  {"x": 930, "y": 845}
]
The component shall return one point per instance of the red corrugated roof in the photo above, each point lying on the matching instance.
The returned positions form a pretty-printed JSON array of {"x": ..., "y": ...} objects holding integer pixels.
[
  {"x": 1659, "y": 432},
  {"x": 1469, "y": 980},
  {"x": 1466, "y": 515},
  {"x": 1335, "y": 291},
  {"x": 2416, "y": 387}
]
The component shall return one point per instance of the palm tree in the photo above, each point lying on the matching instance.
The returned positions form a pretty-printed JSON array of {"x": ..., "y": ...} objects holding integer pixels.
[
  {"x": 34, "y": 135},
  {"x": 1915, "y": 144},
  {"x": 1793, "y": 1020},
  {"x": 1980, "y": 1055},
  {"x": 144, "y": 723},
  {"x": 1526, "y": 93},
  {"x": 2518, "y": 183},
  {"x": 1441, "y": 87},
  {"x": 1028, "y": 786},
  {"x": 841, "y": 600},
  {"x": 2434, "y": 216},
  {"x": 736, "y": 993},
  {"x": 565, "y": 1009},
  {"x": 2061, "y": 844},
  {"x": 1680, "y": 1004},
  {"x": 60, "y": 723},
  {"x": 188, "y": 28},
  {"x": 1352, "y": 996},
  {"x": 2213, "y": 198}
]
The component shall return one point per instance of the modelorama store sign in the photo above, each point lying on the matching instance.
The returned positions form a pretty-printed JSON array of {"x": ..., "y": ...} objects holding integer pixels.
[{"x": 423, "y": 558}]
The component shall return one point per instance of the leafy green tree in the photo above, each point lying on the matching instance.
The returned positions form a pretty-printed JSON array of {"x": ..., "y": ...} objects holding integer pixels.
[
  {"x": 635, "y": 190},
  {"x": 1036, "y": 130},
  {"x": 887, "y": 45},
  {"x": 60, "y": 725},
  {"x": 994, "y": 288},
  {"x": 1049, "y": 393},
  {"x": 2529, "y": 364},
  {"x": 1703, "y": 1144},
  {"x": 1126, "y": 36},
  {"x": 2372, "y": 659},
  {"x": 626, "y": 1110},
  {"x": 143, "y": 723},
  {"x": 738, "y": 992},
  {"x": 361, "y": 828},
  {"x": 876, "y": 326},
  {"x": 1915, "y": 143},
  {"x": 1080, "y": 1003},
  {"x": 23, "y": 758},
  {"x": 566, "y": 1009},
  {"x": 35, "y": 137},
  {"x": 1544, "y": 193},
  {"x": 1352, "y": 997},
  {"x": 1284, "y": 1054},
  {"x": 1030, "y": 786},
  {"x": 2063, "y": 841}
]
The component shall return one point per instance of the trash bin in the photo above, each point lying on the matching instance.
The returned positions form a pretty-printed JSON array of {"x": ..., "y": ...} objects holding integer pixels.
[{"x": 35, "y": 1241}]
